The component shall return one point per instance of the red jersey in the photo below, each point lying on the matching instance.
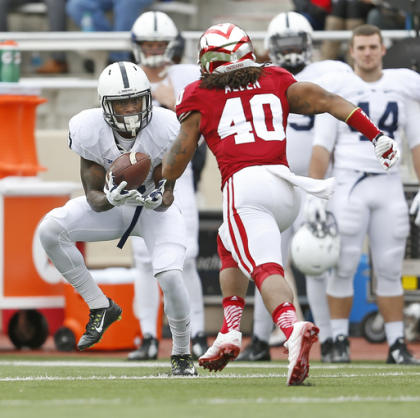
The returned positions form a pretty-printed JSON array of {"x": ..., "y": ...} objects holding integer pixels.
[{"x": 242, "y": 127}]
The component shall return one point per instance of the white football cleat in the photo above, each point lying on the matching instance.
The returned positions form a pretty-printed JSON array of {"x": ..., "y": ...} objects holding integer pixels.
[
  {"x": 299, "y": 344},
  {"x": 225, "y": 348}
]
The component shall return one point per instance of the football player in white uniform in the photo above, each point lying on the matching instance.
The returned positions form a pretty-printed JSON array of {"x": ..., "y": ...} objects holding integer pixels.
[
  {"x": 154, "y": 44},
  {"x": 107, "y": 211},
  {"x": 289, "y": 43},
  {"x": 368, "y": 200}
]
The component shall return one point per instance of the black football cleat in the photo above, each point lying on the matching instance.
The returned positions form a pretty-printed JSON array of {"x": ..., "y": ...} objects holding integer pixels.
[
  {"x": 198, "y": 345},
  {"x": 148, "y": 349},
  {"x": 327, "y": 350},
  {"x": 341, "y": 350},
  {"x": 256, "y": 350},
  {"x": 99, "y": 320},
  {"x": 182, "y": 365},
  {"x": 399, "y": 354}
]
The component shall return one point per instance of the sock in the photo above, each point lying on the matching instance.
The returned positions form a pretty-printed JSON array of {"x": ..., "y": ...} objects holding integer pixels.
[
  {"x": 316, "y": 290},
  {"x": 263, "y": 324},
  {"x": 393, "y": 331},
  {"x": 177, "y": 309},
  {"x": 284, "y": 316},
  {"x": 195, "y": 291},
  {"x": 180, "y": 330},
  {"x": 147, "y": 298},
  {"x": 339, "y": 327},
  {"x": 233, "y": 307},
  {"x": 83, "y": 282}
]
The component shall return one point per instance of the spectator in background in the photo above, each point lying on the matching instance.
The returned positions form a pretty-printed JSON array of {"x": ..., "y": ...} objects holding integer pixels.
[
  {"x": 345, "y": 15},
  {"x": 384, "y": 16},
  {"x": 90, "y": 15},
  {"x": 315, "y": 11},
  {"x": 57, "y": 23}
]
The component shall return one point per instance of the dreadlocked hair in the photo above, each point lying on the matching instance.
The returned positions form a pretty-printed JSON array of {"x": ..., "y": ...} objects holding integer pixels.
[{"x": 233, "y": 79}]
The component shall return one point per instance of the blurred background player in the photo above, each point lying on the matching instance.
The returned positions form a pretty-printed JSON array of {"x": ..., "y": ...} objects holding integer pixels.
[
  {"x": 91, "y": 15},
  {"x": 245, "y": 129},
  {"x": 107, "y": 211},
  {"x": 156, "y": 44},
  {"x": 289, "y": 44},
  {"x": 367, "y": 200}
]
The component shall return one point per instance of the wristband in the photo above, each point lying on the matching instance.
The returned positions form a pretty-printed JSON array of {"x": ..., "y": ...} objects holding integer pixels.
[{"x": 358, "y": 120}]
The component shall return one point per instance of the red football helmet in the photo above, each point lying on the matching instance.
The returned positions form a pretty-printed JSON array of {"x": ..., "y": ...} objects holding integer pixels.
[{"x": 225, "y": 47}]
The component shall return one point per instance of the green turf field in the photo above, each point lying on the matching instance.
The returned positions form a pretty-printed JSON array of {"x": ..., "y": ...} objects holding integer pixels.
[{"x": 90, "y": 387}]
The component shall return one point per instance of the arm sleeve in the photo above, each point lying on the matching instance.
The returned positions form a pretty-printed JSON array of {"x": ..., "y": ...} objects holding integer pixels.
[{"x": 325, "y": 131}]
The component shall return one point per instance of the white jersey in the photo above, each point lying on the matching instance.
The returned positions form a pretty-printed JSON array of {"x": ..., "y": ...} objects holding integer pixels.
[
  {"x": 386, "y": 101},
  {"x": 300, "y": 128},
  {"x": 93, "y": 139},
  {"x": 179, "y": 75}
]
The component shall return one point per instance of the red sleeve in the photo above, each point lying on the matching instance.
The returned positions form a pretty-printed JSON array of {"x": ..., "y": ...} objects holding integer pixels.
[{"x": 187, "y": 101}]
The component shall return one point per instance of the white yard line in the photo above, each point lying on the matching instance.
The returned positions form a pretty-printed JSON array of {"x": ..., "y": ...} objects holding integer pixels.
[
  {"x": 60, "y": 402},
  {"x": 165, "y": 376},
  {"x": 154, "y": 364},
  {"x": 303, "y": 400}
]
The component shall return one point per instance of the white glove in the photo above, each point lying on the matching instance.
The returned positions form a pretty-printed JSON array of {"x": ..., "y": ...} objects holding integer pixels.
[
  {"x": 315, "y": 209},
  {"x": 117, "y": 196},
  {"x": 154, "y": 199},
  {"x": 414, "y": 208},
  {"x": 386, "y": 151}
]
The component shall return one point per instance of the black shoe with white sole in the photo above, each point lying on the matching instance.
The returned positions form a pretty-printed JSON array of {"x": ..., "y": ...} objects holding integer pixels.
[
  {"x": 148, "y": 349},
  {"x": 256, "y": 350},
  {"x": 399, "y": 354},
  {"x": 99, "y": 320},
  {"x": 182, "y": 365}
]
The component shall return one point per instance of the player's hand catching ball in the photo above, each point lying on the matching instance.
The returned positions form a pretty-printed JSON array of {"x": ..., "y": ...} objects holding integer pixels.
[
  {"x": 117, "y": 195},
  {"x": 159, "y": 198},
  {"x": 386, "y": 151}
]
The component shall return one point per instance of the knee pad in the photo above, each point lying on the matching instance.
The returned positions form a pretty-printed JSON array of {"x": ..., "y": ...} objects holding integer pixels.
[
  {"x": 50, "y": 232},
  {"x": 168, "y": 256},
  {"x": 340, "y": 284},
  {"x": 348, "y": 262},
  {"x": 388, "y": 273},
  {"x": 261, "y": 272},
  {"x": 340, "y": 287}
]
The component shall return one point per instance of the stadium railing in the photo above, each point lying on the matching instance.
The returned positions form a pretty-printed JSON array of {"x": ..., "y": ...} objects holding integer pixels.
[{"x": 98, "y": 44}]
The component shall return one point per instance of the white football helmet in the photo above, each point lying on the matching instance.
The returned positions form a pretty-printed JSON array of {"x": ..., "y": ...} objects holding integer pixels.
[
  {"x": 153, "y": 26},
  {"x": 289, "y": 41},
  {"x": 315, "y": 246},
  {"x": 225, "y": 47},
  {"x": 122, "y": 81}
]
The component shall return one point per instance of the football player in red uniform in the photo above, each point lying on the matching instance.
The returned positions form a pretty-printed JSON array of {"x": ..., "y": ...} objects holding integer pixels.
[{"x": 241, "y": 109}]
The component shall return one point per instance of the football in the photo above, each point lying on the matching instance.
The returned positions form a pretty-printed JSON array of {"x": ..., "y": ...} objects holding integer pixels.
[{"x": 132, "y": 167}]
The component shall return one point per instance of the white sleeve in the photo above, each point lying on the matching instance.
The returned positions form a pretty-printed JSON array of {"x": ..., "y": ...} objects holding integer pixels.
[
  {"x": 410, "y": 81},
  {"x": 412, "y": 127},
  {"x": 325, "y": 131}
]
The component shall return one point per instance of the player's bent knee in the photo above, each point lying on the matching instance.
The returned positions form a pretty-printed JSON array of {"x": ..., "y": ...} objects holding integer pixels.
[
  {"x": 168, "y": 256},
  {"x": 50, "y": 232},
  {"x": 261, "y": 272}
]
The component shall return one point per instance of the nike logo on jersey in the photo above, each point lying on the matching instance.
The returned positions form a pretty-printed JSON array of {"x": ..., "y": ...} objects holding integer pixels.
[
  {"x": 107, "y": 160},
  {"x": 101, "y": 325}
]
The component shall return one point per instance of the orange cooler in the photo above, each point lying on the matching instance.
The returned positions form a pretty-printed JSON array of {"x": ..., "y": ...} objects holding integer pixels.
[
  {"x": 27, "y": 279},
  {"x": 118, "y": 284}
]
